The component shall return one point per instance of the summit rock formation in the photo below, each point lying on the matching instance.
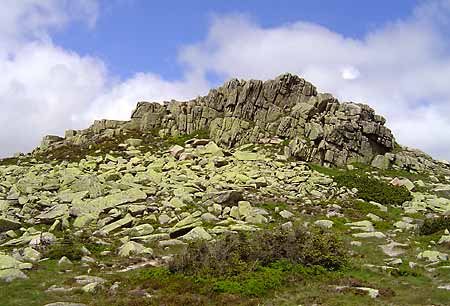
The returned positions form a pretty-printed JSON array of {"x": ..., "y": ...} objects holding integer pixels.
[
  {"x": 317, "y": 126},
  {"x": 314, "y": 127}
]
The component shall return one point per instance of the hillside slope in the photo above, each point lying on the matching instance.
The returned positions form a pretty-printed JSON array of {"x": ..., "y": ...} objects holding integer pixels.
[{"x": 260, "y": 193}]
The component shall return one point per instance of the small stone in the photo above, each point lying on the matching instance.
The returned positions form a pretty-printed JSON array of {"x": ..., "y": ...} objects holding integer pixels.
[
  {"x": 286, "y": 214},
  {"x": 176, "y": 151},
  {"x": 245, "y": 208},
  {"x": 209, "y": 217},
  {"x": 287, "y": 226},
  {"x": 356, "y": 243},
  {"x": 90, "y": 288},
  {"x": 378, "y": 235},
  {"x": 374, "y": 217},
  {"x": 64, "y": 261},
  {"x": 197, "y": 233},
  {"x": 133, "y": 248},
  {"x": 324, "y": 223},
  {"x": 163, "y": 219}
]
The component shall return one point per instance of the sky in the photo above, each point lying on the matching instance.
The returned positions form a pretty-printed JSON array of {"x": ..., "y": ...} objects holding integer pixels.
[{"x": 64, "y": 63}]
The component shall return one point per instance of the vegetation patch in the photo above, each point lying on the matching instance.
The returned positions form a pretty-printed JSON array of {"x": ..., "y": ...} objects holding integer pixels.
[
  {"x": 434, "y": 225},
  {"x": 237, "y": 253},
  {"x": 182, "y": 138},
  {"x": 251, "y": 264},
  {"x": 68, "y": 247},
  {"x": 370, "y": 189}
]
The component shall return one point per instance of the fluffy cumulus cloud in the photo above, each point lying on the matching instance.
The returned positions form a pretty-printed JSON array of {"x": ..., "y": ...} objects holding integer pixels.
[
  {"x": 401, "y": 69},
  {"x": 45, "y": 89}
]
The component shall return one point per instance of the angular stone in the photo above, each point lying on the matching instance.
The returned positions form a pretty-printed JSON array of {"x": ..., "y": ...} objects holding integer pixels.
[
  {"x": 324, "y": 223},
  {"x": 245, "y": 209},
  {"x": 176, "y": 151},
  {"x": 197, "y": 233},
  {"x": 7, "y": 224},
  {"x": 84, "y": 220},
  {"x": 433, "y": 256},
  {"x": 91, "y": 184},
  {"x": 110, "y": 201},
  {"x": 118, "y": 224},
  {"x": 133, "y": 248},
  {"x": 228, "y": 197},
  {"x": 56, "y": 211},
  {"x": 247, "y": 156},
  {"x": 8, "y": 275},
  {"x": 393, "y": 249},
  {"x": 378, "y": 235},
  {"x": 141, "y": 230},
  {"x": 286, "y": 214}
]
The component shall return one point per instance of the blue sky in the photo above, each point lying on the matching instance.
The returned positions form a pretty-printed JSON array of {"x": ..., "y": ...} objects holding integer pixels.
[
  {"x": 65, "y": 63},
  {"x": 136, "y": 35}
]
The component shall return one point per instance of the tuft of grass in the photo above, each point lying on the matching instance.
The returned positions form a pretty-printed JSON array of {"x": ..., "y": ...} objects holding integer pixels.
[{"x": 182, "y": 138}]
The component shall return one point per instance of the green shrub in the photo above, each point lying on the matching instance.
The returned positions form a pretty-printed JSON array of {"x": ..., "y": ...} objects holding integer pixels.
[
  {"x": 68, "y": 247},
  {"x": 434, "y": 225},
  {"x": 370, "y": 189},
  {"x": 247, "y": 252},
  {"x": 9, "y": 161}
]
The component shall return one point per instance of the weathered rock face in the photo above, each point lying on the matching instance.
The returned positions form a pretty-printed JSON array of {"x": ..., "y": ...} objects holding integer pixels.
[{"x": 319, "y": 128}]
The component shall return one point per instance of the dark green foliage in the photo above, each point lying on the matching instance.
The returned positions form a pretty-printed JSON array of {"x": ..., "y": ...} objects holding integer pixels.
[
  {"x": 370, "y": 189},
  {"x": 8, "y": 161},
  {"x": 250, "y": 264},
  {"x": 237, "y": 253},
  {"x": 68, "y": 247},
  {"x": 434, "y": 225}
]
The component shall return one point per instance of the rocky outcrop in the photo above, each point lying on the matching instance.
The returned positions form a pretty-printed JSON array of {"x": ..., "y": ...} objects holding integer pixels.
[{"x": 317, "y": 126}]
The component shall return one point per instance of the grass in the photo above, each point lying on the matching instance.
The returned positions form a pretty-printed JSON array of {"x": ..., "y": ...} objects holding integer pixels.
[
  {"x": 182, "y": 138},
  {"x": 101, "y": 146}
]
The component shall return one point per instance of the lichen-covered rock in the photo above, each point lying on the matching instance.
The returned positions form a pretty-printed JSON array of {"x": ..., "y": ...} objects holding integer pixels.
[
  {"x": 133, "y": 248},
  {"x": 433, "y": 256},
  {"x": 321, "y": 128}
]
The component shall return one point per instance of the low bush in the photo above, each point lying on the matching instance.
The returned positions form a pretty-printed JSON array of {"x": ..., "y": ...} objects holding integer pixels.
[
  {"x": 68, "y": 247},
  {"x": 370, "y": 189},
  {"x": 247, "y": 252},
  {"x": 434, "y": 225}
]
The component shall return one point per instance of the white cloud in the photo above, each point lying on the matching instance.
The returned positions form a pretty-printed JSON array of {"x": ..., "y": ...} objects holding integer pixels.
[
  {"x": 45, "y": 89},
  {"x": 350, "y": 73},
  {"x": 121, "y": 98},
  {"x": 402, "y": 69}
]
